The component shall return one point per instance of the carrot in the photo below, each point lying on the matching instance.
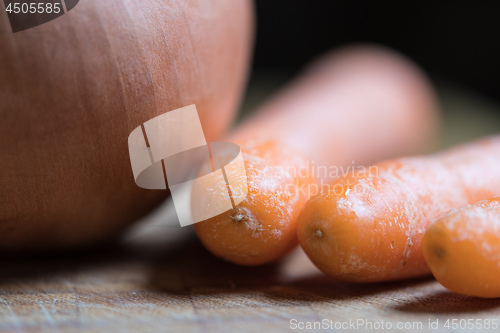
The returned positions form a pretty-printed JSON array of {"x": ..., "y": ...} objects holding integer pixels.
[
  {"x": 462, "y": 249},
  {"x": 368, "y": 226},
  {"x": 358, "y": 104}
]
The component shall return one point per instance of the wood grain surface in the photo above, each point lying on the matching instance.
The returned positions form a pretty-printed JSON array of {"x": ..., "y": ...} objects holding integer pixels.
[
  {"x": 161, "y": 279},
  {"x": 187, "y": 289}
]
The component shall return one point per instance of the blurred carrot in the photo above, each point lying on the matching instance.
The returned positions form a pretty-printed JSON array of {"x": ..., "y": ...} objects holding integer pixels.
[
  {"x": 358, "y": 104},
  {"x": 462, "y": 249},
  {"x": 369, "y": 226}
]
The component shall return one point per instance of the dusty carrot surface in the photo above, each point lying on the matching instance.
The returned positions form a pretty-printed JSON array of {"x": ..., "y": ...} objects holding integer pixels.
[
  {"x": 358, "y": 104},
  {"x": 462, "y": 249},
  {"x": 262, "y": 228},
  {"x": 369, "y": 227}
]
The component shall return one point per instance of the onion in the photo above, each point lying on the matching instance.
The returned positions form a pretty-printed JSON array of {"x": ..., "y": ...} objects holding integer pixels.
[{"x": 71, "y": 91}]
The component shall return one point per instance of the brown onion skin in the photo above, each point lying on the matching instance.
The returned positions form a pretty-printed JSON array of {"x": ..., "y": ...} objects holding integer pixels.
[{"x": 72, "y": 90}]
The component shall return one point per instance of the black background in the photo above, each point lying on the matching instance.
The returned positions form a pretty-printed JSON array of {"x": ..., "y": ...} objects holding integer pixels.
[{"x": 455, "y": 40}]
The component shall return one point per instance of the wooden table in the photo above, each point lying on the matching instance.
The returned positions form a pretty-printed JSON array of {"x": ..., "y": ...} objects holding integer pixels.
[
  {"x": 161, "y": 279},
  {"x": 187, "y": 289}
]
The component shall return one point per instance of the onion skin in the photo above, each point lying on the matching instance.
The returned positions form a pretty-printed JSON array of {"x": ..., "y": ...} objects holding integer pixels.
[{"x": 72, "y": 90}]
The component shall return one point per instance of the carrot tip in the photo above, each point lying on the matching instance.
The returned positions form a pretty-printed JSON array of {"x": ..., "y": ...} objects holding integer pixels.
[
  {"x": 318, "y": 233},
  {"x": 238, "y": 217},
  {"x": 439, "y": 252}
]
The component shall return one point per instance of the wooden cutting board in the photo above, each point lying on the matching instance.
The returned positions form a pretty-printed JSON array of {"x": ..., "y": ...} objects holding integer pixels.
[
  {"x": 151, "y": 283},
  {"x": 187, "y": 289}
]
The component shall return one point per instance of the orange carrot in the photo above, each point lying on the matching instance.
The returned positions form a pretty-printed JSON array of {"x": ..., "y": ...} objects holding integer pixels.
[
  {"x": 462, "y": 249},
  {"x": 358, "y": 104},
  {"x": 369, "y": 226}
]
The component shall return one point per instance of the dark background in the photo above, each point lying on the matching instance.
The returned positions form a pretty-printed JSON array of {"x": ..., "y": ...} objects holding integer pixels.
[{"x": 458, "y": 41}]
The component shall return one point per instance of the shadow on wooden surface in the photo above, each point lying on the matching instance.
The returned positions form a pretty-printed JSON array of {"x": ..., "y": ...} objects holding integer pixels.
[
  {"x": 446, "y": 302},
  {"x": 294, "y": 279},
  {"x": 184, "y": 287},
  {"x": 188, "y": 269}
]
